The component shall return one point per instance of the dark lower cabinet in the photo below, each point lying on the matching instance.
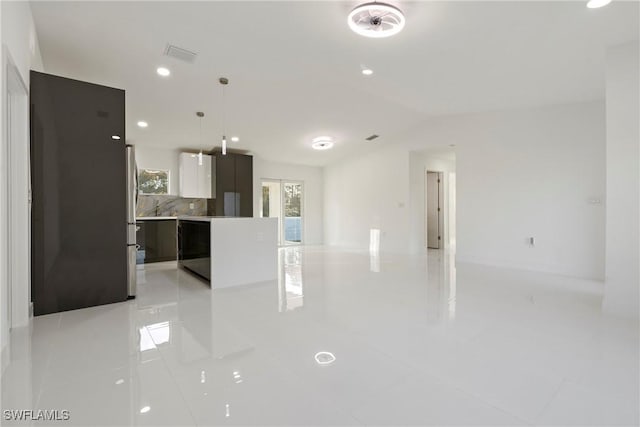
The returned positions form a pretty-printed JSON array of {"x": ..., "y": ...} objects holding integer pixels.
[
  {"x": 194, "y": 247},
  {"x": 234, "y": 185},
  {"x": 157, "y": 240}
]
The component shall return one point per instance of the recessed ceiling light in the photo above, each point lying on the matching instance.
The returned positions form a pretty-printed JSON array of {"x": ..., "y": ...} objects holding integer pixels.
[
  {"x": 164, "y": 72},
  {"x": 143, "y": 124},
  {"x": 595, "y": 4},
  {"x": 235, "y": 139},
  {"x": 322, "y": 143},
  {"x": 367, "y": 71},
  {"x": 145, "y": 409},
  {"x": 116, "y": 137},
  {"x": 376, "y": 20}
]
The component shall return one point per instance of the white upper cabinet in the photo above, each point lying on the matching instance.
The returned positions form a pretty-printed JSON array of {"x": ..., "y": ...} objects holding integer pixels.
[{"x": 195, "y": 176}]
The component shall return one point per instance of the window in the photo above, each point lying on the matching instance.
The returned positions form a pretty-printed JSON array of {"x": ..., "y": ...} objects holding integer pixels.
[
  {"x": 153, "y": 181},
  {"x": 284, "y": 200}
]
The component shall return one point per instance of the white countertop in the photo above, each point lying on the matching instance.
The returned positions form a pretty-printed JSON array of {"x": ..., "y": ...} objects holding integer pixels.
[
  {"x": 211, "y": 218},
  {"x": 154, "y": 218}
]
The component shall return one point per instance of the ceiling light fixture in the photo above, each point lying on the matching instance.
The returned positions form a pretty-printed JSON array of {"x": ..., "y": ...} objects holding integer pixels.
[
  {"x": 164, "y": 72},
  {"x": 367, "y": 71},
  {"x": 322, "y": 143},
  {"x": 235, "y": 139},
  {"x": 142, "y": 124},
  {"x": 116, "y": 137},
  {"x": 145, "y": 409},
  {"x": 325, "y": 358},
  {"x": 376, "y": 20},
  {"x": 595, "y": 4}
]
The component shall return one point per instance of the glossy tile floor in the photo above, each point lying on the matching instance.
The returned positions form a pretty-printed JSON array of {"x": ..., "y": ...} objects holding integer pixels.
[{"x": 342, "y": 338}]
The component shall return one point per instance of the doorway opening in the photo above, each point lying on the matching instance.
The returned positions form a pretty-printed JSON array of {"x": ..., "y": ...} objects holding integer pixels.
[
  {"x": 435, "y": 210},
  {"x": 283, "y": 199},
  {"x": 17, "y": 210}
]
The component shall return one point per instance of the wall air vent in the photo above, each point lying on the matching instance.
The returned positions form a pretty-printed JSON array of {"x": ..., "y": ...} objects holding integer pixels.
[
  {"x": 180, "y": 53},
  {"x": 372, "y": 137}
]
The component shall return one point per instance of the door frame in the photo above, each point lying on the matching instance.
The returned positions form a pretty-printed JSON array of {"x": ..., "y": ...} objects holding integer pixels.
[
  {"x": 282, "y": 182},
  {"x": 16, "y": 150},
  {"x": 442, "y": 212}
]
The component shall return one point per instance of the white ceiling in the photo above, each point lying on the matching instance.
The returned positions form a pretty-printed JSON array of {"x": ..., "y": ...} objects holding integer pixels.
[{"x": 294, "y": 67}]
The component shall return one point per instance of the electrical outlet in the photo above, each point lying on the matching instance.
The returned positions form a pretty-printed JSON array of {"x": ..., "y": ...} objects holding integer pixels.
[{"x": 192, "y": 205}]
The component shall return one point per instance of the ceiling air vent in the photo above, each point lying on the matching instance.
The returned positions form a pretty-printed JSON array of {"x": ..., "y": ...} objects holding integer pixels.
[
  {"x": 372, "y": 137},
  {"x": 180, "y": 53}
]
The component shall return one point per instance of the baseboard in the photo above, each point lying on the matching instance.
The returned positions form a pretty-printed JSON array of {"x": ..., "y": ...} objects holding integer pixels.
[
  {"x": 4, "y": 359},
  {"x": 538, "y": 268}
]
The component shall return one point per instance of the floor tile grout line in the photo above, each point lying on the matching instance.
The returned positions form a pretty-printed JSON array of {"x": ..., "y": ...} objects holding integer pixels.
[
  {"x": 553, "y": 397},
  {"x": 175, "y": 383}
]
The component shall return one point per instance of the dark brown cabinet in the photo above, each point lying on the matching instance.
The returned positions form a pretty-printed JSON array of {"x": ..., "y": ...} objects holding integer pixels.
[
  {"x": 157, "y": 240},
  {"x": 234, "y": 185}
]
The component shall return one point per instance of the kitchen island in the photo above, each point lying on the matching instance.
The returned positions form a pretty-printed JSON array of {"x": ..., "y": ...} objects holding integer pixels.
[{"x": 229, "y": 251}]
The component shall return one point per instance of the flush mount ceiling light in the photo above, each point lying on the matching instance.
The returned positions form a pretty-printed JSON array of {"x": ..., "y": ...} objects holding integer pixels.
[
  {"x": 325, "y": 358},
  {"x": 376, "y": 20},
  {"x": 115, "y": 137},
  {"x": 164, "y": 72},
  {"x": 142, "y": 124},
  {"x": 367, "y": 71},
  {"x": 322, "y": 143},
  {"x": 595, "y": 4},
  {"x": 235, "y": 139}
]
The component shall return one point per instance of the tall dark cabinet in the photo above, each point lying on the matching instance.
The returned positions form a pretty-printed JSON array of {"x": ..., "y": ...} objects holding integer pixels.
[
  {"x": 78, "y": 178},
  {"x": 234, "y": 185}
]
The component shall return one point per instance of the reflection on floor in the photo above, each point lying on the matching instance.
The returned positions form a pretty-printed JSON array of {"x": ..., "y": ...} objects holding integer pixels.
[{"x": 342, "y": 338}]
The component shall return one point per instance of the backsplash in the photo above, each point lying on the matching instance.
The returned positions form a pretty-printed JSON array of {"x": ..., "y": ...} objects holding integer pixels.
[{"x": 171, "y": 206}]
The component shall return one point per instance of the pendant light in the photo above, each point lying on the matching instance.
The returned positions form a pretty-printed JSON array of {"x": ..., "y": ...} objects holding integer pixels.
[
  {"x": 224, "y": 82},
  {"x": 200, "y": 115}
]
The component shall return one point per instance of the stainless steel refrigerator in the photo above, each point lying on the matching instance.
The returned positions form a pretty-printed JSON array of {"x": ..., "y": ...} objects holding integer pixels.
[{"x": 132, "y": 201}]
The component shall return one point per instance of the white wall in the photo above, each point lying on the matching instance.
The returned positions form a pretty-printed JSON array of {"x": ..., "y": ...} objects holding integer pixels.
[
  {"x": 368, "y": 192},
  {"x": 532, "y": 173},
  {"x": 20, "y": 47},
  {"x": 519, "y": 173},
  {"x": 419, "y": 163},
  {"x": 163, "y": 159},
  {"x": 312, "y": 197},
  {"x": 623, "y": 181}
]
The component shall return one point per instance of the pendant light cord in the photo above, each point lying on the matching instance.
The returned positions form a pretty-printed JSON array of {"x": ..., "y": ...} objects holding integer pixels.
[{"x": 224, "y": 110}]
